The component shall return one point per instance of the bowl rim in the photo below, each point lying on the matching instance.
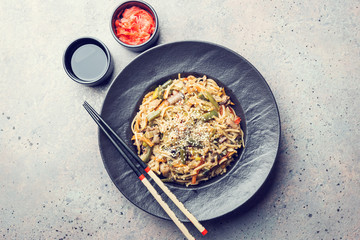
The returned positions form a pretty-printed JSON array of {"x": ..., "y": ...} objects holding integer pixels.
[
  {"x": 73, "y": 46},
  {"x": 125, "y": 4}
]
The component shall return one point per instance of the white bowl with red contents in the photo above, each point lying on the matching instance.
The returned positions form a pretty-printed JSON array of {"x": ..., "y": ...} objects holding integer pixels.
[{"x": 135, "y": 25}]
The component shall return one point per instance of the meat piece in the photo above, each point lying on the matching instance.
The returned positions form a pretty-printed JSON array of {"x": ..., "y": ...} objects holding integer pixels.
[
  {"x": 231, "y": 123},
  {"x": 175, "y": 97},
  {"x": 224, "y": 100},
  {"x": 154, "y": 103},
  {"x": 164, "y": 169},
  {"x": 154, "y": 133},
  {"x": 156, "y": 138}
]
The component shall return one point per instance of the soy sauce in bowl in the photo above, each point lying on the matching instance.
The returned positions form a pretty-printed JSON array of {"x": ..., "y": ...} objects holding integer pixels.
[{"x": 88, "y": 61}]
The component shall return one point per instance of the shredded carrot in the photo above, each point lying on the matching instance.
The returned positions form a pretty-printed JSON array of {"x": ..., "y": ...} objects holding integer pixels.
[
  {"x": 198, "y": 88},
  {"x": 221, "y": 110},
  {"x": 148, "y": 142},
  {"x": 226, "y": 156},
  {"x": 163, "y": 104},
  {"x": 231, "y": 110},
  {"x": 193, "y": 179},
  {"x": 222, "y": 90},
  {"x": 136, "y": 127},
  {"x": 133, "y": 137},
  {"x": 179, "y": 165},
  {"x": 219, "y": 92},
  {"x": 160, "y": 159}
]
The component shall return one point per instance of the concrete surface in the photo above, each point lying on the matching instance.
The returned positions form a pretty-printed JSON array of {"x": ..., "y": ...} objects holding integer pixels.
[{"x": 53, "y": 184}]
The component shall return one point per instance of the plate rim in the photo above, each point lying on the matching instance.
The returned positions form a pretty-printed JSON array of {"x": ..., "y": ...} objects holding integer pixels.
[{"x": 278, "y": 130}]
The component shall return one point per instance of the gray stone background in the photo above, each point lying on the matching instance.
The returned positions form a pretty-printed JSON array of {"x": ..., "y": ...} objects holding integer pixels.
[{"x": 53, "y": 184}]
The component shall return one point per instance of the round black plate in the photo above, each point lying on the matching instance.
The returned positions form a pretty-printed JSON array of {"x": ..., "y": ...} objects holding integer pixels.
[{"x": 254, "y": 103}]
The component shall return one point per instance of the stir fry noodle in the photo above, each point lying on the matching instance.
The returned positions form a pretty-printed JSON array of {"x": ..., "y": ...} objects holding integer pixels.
[{"x": 187, "y": 131}]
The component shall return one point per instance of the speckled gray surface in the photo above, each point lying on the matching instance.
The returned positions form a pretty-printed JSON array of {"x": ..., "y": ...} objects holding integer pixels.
[{"x": 52, "y": 180}]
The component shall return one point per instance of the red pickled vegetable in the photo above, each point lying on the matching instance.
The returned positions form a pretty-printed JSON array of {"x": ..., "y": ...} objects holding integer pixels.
[
  {"x": 237, "y": 120},
  {"x": 135, "y": 26}
]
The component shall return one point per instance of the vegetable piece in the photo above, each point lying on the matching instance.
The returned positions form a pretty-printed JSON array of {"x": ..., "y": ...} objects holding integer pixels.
[
  {"x": 226, "y": 156},
  {"x": 147, "y": 141},
  {"x": 134, "y": 26},
  {"x": 212, "y": 100},
  {"x": 237, "y": 120},
  {"x": 167, "y": 87},
  {"x": 231, "y": 123},
  {"x": 209, "y": 115},
  {"x": 156, "y": 93},
  {"x": 137, "y": 122},
  {"x": 146, "y": 157},
  {"x": 193, "y": 179},
  {"x": 154, "y": 114},
  {"x": 167, "y": 83},
  {"x": 161, "y": 93},
  {"x": 182, "y": 155},
  {"x": 201, "y": 96},
  {"x": 192, "y": 143},
  {"x": 179, "y": 165},
  {"x": 222, "y": 109},
  {"x": 205, "y": 171},
  {"x": 160, "y": 160}
]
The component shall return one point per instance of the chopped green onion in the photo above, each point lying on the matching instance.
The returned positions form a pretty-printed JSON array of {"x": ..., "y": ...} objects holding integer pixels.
[
  {"x": 192, "y": 143},
  {"x": 209, "y": 115},
  {"x": 154, "y": 114},
  {"x": 166, "y": 84},
  {"x": 145, "y": 158},
  {"x": 182, "y": 155},
  {"x": 201, "y": 96},
  {"x": 212, "y": 100}
]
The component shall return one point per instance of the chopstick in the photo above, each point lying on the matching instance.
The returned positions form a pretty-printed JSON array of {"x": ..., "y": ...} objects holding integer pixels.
[{"x": 110, "y": 134}]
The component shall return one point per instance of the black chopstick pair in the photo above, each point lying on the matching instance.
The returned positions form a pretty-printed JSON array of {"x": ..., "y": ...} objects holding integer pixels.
[
  {"x": 115, "y": 139},
  {"x": 108, "y": 131}
]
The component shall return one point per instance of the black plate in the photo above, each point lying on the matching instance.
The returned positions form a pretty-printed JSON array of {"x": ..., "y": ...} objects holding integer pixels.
[{"x": 254, "y": 103}]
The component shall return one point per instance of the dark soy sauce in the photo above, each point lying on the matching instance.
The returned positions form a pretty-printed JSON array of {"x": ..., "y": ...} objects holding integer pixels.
[{"x": 89, "y": 62}]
